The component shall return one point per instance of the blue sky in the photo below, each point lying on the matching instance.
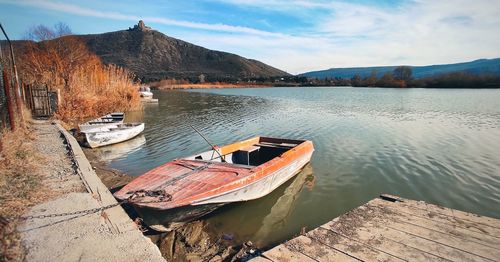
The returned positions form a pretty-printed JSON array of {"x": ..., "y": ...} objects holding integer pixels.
[{"x": 293, "y": 35}]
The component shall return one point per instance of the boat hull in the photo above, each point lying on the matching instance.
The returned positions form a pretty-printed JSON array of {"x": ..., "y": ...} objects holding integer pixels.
[
  {"x": 146, "y": 94},
  {"x": 112, "y": 136},
  {"x": 260, "y": 187},
  {"x": 168, "y": 220}
]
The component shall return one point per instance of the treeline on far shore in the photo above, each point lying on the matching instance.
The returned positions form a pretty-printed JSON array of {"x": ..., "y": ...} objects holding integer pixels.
[{"x": 401, "y": 77}]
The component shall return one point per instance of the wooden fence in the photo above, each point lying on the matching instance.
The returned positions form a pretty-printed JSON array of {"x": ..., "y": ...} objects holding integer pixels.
[{"x": 40, "y": 101}]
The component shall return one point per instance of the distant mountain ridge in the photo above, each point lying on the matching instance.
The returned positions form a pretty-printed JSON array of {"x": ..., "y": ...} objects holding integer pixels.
[
  {"x": 151, "y": 55},
  {"x": 477, "y": 67}
]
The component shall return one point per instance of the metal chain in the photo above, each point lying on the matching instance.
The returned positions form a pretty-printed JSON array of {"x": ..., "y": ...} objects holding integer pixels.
[
  {"x": 166, "y": 197},
  {"x": 86, "y": 212}
]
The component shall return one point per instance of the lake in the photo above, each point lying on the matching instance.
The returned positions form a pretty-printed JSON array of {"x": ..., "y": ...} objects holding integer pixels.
[{"x": 437, "y": 145}]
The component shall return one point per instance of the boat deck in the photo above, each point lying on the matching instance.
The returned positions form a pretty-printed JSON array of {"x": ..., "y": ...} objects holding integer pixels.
[{"x": 391, "y": 228}]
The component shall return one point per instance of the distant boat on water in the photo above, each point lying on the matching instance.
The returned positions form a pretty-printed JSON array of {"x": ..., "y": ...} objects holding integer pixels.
[
  {"x": 187, "y": 188},
  {"x": 145, "y": 92}
]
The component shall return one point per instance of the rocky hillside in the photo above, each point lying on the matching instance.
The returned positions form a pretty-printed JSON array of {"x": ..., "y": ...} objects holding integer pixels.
[{"x": 152, "y": 55}]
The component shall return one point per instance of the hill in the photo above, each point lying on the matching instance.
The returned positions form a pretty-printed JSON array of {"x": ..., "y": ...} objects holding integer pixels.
[
  {"x": 151, "y": 55},
  {"x": 477, "y": 67}
]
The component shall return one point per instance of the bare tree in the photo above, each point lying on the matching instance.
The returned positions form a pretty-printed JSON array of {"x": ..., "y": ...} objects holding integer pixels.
[
  {"x": 42, "y": 32},
  {"x": 62, "y": 29},
  {"x": 403, "y": 73}
]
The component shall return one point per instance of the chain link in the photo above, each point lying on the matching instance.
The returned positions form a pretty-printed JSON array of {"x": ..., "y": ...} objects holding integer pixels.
[
  {"x": 163, "y": 197},
  {"x": 86, "y": 212}
]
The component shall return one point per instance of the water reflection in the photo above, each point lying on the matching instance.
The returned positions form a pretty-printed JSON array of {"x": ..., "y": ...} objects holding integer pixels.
[
  {"x": 277, "y": 217},
  {"x": 120, "y": 150},
  {"x": 260, "y": 220}
]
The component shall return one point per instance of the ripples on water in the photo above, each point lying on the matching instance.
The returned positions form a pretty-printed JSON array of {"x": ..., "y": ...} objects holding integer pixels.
[{"x": 441, "y": 146}]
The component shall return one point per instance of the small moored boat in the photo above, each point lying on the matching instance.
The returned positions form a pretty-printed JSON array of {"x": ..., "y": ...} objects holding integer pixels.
[
  {"x": 113, "y": 134},
  {"x": 103, "y": 122},
  {"x": 145, "y": 92},
  {"x": 187, "y": 188}
]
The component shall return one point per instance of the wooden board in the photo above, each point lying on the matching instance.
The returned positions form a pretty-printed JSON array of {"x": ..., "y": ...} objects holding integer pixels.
[{"x": 391, "y": 228}]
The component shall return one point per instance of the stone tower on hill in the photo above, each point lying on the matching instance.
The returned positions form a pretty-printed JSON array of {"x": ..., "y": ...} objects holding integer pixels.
[{"x": 141, "y": 26}]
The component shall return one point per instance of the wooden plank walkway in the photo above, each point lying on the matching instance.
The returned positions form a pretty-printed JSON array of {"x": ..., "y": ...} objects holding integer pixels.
[{"x": 391, "y": 228}]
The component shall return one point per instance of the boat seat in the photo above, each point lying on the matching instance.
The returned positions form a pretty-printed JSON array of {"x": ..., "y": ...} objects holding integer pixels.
[{"x": 246, "y": 156}]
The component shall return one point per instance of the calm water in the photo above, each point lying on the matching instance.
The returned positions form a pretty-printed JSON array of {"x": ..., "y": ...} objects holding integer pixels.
[{"x": 441, "y": 146}]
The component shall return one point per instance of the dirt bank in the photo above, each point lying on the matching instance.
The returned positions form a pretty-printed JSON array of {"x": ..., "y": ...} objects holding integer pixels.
[{"x": 110, "y": 177}]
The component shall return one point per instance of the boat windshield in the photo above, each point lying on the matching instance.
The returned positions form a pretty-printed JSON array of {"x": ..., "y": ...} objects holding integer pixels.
[{"x": 253, "y": 155}]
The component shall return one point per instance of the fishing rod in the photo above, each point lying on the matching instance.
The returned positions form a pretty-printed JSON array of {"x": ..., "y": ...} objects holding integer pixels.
[{"x": 213, "y": 147}]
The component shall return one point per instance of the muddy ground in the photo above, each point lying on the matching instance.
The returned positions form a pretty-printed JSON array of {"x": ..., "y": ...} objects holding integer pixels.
[{"x": 192, "y": 242}]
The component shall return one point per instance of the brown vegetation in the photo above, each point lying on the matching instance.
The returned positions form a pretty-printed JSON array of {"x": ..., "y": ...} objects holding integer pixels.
[
  {"x": 88, "y": 87},
  {"x": 97, "y": 91},
  {"x": 19, "y": 188}
]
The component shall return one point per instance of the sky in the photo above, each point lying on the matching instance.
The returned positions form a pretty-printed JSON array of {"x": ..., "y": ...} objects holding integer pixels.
[{"x": 293, "y": 35}]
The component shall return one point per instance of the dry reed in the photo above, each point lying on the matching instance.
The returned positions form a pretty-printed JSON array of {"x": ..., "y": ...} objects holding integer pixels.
[
  {"x": 97, "y": 91},
  {"x": 88, "y": 87}
]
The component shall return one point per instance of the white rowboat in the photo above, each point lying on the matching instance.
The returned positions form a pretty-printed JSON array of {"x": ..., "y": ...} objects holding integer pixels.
[{"x": 113, "y": 134}]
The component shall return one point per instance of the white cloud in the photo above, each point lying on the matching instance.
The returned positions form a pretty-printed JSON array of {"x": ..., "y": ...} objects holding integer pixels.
[
  {"x": 79, "y": 10},
  {"x": 278, "y": 5},
  {"x": 415, "y": 32}
]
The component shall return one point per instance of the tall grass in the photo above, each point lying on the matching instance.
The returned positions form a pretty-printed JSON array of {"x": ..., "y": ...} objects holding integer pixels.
[
  {"x": 88, "y": 87},
  {"x": 97, "y": 91}
]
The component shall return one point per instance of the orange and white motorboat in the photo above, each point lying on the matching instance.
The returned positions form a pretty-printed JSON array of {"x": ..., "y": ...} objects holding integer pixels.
[{"x": 187, "y": 188}]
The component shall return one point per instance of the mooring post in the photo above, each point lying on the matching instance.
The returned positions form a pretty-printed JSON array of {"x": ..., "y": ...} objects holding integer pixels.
[
  {"x": 47, "y": 100},
  {"x": 59, "y": 98},
  {"x": 23, "y": 85},
  {"x": 32, "y": 100},
  {"x": 10, "y": 110}
]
